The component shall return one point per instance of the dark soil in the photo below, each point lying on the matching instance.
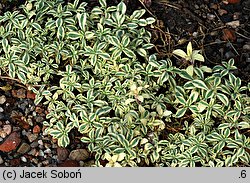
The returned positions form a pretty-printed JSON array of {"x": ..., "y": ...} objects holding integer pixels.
[{"x": 220, "y": 29}]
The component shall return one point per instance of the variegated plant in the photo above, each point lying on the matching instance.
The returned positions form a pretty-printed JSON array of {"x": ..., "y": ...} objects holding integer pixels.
[{"x": 93, "y": 71}]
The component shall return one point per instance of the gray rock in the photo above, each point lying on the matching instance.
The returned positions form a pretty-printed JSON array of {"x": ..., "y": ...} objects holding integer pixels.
[
  {"x": 1, "y": 109},
  {"x": 24, "y": 148},
  {"x": 79, "y": 155},
  {"x": 34, "y": 144}
]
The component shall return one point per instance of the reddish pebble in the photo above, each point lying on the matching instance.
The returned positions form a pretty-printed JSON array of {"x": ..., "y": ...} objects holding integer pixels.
[
  {"x": 62, "y": 153},
  {"x": 69, "y": 163},
  {"x": 15, "y": 162},
  {"x": 36, "y": 129},
  {"x": 228, "y": 34},
  {"x": 39, "y": 110},
  {"x": 233, "y": 1},
  {"x": 10, "y": 143},
  {"x": 31, "y": 95}
]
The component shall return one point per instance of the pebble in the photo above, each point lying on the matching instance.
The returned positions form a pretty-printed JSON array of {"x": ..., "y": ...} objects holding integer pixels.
[
  {"x": 32, "y": 152},
  {"x": 24, "y": 148},
  {"x": 246, "y": 47},
  {"x": 45, "y": 163},
  {"x": 79, "y": 154},
  {"x": 34, "y": 160},
  {"x": 81, "y": 163},
  {"x": 23, "y": 159},
  {"x": 41, "y": 153},
  {"x": 7, "y": 129},
  {"x": 47, "y": 151},
  {"x": 222, "y": 12},
  {"x": 3, "y": 134},
  {"x": 62, "y": 153},
  {"x": 2, "y": 99},
  {"x": 1, "y": 109},
  {"x": 36, "y": 129},
  {"x": 69, "y": 163},
  {"x": 234, "y": 24},
  {"x": 20, "y": 93},
  {"x": 24, "y": 133},
  {"x": 32, "y": 137},
  {"x": 34, "y": 144},
  {"x": 210, "y": 16},
  {"x": 39, "y": 119},
  {"x": 40, "y": 142},
  {"x": 1, "y": 160},
  {"x": 11, "y": 142}
]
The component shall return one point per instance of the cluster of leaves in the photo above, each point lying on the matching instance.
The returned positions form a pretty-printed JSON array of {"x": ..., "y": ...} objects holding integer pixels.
[{"x": 95, "y": 74}]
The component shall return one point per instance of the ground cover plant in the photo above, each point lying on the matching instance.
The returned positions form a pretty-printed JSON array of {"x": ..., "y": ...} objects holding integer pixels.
[{"x": 95, "y": 72}]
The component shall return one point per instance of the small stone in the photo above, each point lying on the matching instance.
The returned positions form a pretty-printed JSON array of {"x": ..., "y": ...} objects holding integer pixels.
[
  {"x": 1, "y": 109},
  {"x": 234, "y": 24},
  {"x": 23, "y": 159},
  {"x": 39, "y": 119},
  {"x": 35, "y": 161},
  {"x": 21, "y": 93},
  {"x": 222, "y": 12},
  {"x": 31, "y": 95},
  {"x": 47, "y": 151},
  {"x": 69, "y": 163},
  {"x": 15, "y": 162},
  {"x": 1, "y": 160},
  {"x": 41, "y": 153},
  {"x": 24, "y": 148},
  {"x": 7, "y": 129},
  {"x": 62, "y": 153},
  {"x": 34, "y": 144},
  {"x": 45, "y": 162},
  {"x": 210, "y": 16},
  {"x": 10, "y": 143},
  {"x": 246, "y": 47},
  {"x": 2, "y": 99},
  {"x": 3, "y": 134},
  {"x": 32, "y": 137},
  {"x": 39, "y": 110},
  {"x": 32, "y": 152},
  {"x": 81, "y": 163},
  {"x": 54, "y": 146},
  {"x": 79, "y": 154},
  {"x": 40, "y": 142},
  {"x": 36, "y": 129},
  {"x": 24, "y": 132},
  {"x": 214, "y": 6}
]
